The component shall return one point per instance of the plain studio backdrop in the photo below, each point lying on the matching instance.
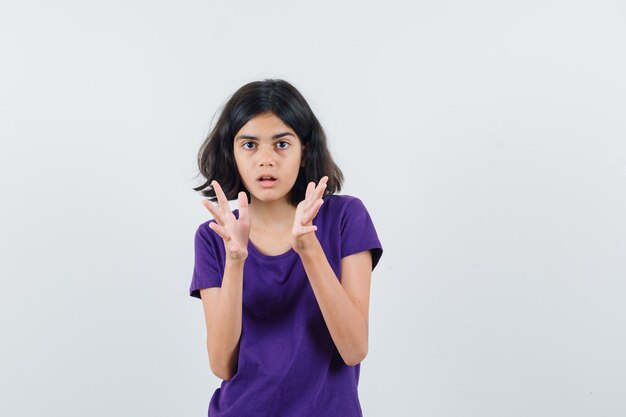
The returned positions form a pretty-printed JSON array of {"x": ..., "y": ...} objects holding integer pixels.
[{"x": 487, "y": 140}]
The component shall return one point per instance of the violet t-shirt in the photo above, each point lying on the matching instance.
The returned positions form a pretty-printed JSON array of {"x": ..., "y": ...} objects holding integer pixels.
[{"x": 288, "y": 365}]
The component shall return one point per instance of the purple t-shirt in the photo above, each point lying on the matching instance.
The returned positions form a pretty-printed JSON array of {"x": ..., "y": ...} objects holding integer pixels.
[{"x": 288, "y": 364}]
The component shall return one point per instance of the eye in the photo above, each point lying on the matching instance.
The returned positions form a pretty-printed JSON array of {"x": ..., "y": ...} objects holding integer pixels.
[
  {"x": 247, "y": 143},
  {"x": 285, "y": 142}
]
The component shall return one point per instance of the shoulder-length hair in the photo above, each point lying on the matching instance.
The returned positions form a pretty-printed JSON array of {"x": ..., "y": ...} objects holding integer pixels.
[{"x": 216, "y": 158}]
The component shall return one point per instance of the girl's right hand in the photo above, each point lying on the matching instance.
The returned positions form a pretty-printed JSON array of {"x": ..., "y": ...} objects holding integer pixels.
[{"x": 235, "y": 232}]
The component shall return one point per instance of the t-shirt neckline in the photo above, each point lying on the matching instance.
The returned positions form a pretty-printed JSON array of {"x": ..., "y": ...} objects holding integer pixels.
[
  {"x": 252, "y": 249},
  {"x": 256, "y": 252}
]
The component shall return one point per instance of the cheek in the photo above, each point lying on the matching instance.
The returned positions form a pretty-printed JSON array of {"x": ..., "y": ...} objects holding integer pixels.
[
  {"x": 244, "y": 172},
  {"x": 241, "y": 168},
  {"x": 295, "y": 161},
  {"x": 240, "y": 163}
]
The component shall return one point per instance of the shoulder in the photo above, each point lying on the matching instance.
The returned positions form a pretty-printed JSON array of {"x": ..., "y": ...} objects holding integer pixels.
[
  {"x": 341, "y": 209},
  {"x": 340, "y": 202},
  {"x": 355, "y": 230},
  {"x": 342, "y": 205}
]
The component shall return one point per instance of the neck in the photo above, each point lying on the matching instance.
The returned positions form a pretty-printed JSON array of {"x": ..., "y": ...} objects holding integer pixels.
[{"x": 277, "y": 214}]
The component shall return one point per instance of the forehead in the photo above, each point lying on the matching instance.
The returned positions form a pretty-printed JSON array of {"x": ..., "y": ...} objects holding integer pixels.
[{"x": 264, "y": 124}]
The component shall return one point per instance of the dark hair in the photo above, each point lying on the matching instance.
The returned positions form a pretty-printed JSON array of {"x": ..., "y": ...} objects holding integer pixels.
[{"x": 216, "y": 158}]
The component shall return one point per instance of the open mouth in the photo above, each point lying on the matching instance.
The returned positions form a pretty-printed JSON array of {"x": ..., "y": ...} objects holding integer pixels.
[{"x": 266, "y": 181}]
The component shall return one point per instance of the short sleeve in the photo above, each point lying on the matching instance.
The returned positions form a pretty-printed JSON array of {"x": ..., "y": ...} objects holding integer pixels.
[
  {"x": 358, "y": 232},
  {"x": 206, "y": 270}
]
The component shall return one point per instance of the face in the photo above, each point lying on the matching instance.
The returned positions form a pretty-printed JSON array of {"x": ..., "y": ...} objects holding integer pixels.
[{"x": 265, "y": 146}]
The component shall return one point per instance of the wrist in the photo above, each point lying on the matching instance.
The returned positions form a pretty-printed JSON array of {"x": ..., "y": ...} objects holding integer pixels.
[
  {"x": 235, "y": 262},
  {"x": 306, "y": 244}
]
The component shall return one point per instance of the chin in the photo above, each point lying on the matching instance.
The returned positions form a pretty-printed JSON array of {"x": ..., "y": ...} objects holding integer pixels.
[{"x": 270, "y": 196}]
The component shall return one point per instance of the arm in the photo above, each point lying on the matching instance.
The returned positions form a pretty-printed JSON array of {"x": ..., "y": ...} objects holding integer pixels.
[
  {"x": 222, "y": 312},
  {"x": 223, "y": 306},
  {"x": 344, "y": 305}
]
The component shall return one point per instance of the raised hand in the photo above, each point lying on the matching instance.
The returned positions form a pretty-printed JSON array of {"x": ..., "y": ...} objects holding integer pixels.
[
  {"x": 235, "y": 232},
  {"x": 305, "y": 212}
]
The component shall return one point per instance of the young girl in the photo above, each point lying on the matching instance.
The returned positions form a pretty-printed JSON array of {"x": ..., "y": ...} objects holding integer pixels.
[{"x": 285, "y": 278}]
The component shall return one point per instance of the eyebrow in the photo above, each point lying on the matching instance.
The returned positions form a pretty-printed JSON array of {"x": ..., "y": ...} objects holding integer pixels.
[{"x": 276, "y": 136}]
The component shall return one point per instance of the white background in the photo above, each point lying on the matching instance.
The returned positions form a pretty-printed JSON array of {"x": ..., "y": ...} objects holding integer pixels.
[{"x": 487, "y": 140}]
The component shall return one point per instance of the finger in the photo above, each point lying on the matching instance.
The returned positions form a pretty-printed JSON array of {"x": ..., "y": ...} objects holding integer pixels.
[
  {"x": 221, "y": 197},
  {"x": 310, "y": 215},
  {"x": 309, "y": 189},
  {"x": 219, "y": 193},
  {"x": 316, "y": 193},
  {"x": 306, "y": 229},
  {"x": 220, "y": 230},
  {"x": 319, "y": 191},
  {"x": 242, "y": 203},
  {"x": 216, "y": 215},
  {"x": 313, "y": 196}
]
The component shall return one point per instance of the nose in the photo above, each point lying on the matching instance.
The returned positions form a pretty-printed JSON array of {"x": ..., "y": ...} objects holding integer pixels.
[{"x": 266, "y": 156}]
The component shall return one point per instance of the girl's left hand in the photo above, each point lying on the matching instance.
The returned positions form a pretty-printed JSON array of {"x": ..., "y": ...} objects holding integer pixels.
[{"x": 306, "y": 211}]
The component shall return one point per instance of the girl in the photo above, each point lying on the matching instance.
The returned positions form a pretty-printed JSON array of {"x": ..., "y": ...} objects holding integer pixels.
[{"x": 284, "y": 278}]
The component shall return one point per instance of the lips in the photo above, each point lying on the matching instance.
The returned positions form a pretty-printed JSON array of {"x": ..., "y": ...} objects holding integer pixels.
[
  {"x": 266, "y": 177},
  {"x": 267, "y": 182}
]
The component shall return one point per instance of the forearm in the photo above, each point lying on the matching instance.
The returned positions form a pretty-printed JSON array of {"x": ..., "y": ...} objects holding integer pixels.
[
  {"x": 224, "y": 339},
  {"x": 347, "y": 327}
]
